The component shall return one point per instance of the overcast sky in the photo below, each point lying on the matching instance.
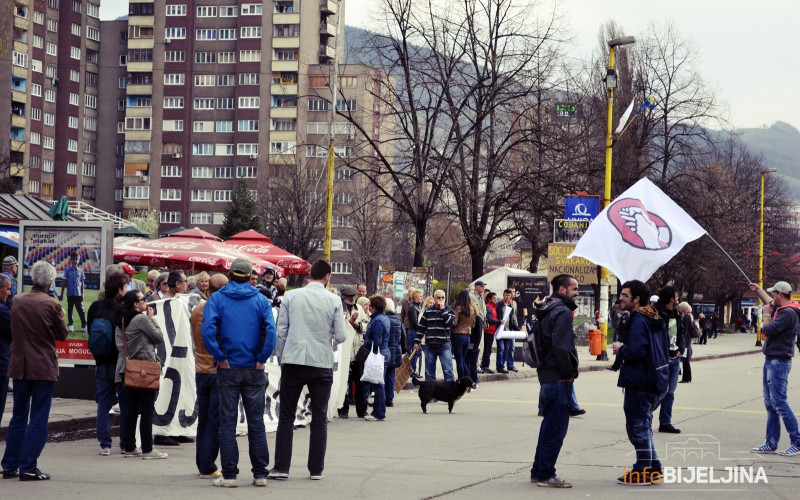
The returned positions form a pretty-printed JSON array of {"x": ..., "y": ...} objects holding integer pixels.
[{"x": 749, "y": 49}]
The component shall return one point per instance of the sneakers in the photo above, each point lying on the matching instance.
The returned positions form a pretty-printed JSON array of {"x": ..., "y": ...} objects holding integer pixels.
[
  {"x": 154, "y": 455},
  {"x": 315, "y": 477},
  {"x": 792, "y": 451},
  {"x": 553, "y": 482},
  {"x": 668, "y": 428},
  {"x": 10, "y": 474},
  {"x": 635, "y": 478},
  {"x": 370, "y": 418},
  {"x": 273, "y": 474},
  {"x": 133, "y": 454},
  {"x": 35, "y": 475},
  {"x": 260, "y": 481},
  {"x": 224, "y": 483},
  {"x": 105, "y": 452},
  {"x": 764, "y": 448},
  {"x": 217, "y": 473}
]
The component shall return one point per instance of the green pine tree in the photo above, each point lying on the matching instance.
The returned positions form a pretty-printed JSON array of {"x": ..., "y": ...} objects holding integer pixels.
[{"x": 241, "y": 214}]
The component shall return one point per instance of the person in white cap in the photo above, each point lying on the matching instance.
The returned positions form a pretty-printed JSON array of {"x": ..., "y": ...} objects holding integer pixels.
[{"x": 781, "y": 323}]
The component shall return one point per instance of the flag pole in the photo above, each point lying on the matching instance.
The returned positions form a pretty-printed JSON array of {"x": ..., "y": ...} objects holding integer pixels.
[{"x": 729, "y": 257}]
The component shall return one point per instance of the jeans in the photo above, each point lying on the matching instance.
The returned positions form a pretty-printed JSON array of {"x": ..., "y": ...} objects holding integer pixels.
[
  {"x": 379, "y": 401},
  {"x": 460, "y": 343},
  {"x": 444, "y": 354},
  {"x": 207, "y": 422},
  {"x": 638, "y": 406},
  {"x": 416, "y": 359},
  {"x": 505, "y": 353},
  {"x": 573, "y": 401},
  {"x": 667, "y": 399},
  {"x": 776, "y": 381},
  {"x": 319, "y": 382},
  {"x": 472, "y": 364},
  {"x": 388, "y": 384},
  {"x": 140, "y": 402},
  {"x": 107, "y": 394},
  {"x": 77, "y": 303},
  {"x": 488, "y": 338},
  {"x": 355, "y": 391},
  {"x": 250, "y": 384},
  {"x": 555, "y": 399},
  {"x": 25, "y": 440}
]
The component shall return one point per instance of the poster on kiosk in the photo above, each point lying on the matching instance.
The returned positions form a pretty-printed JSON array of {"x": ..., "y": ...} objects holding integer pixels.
[{"x": 54, "y": 242}]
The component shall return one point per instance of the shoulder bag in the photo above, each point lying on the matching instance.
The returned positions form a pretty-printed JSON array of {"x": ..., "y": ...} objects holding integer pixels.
[{"x": 140, "y": 374}]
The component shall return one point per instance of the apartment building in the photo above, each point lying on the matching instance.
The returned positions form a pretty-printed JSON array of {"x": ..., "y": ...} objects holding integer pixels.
[{"x": 50, "y": 67}]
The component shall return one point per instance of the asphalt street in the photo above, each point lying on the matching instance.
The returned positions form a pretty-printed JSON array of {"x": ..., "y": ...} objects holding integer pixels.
[{"x": 483, "y": 450}]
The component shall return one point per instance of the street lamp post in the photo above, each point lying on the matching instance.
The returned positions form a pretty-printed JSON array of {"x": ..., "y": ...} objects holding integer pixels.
[
  {"x": 611, "y": 84},
  {"x": 761, "y": 254}
]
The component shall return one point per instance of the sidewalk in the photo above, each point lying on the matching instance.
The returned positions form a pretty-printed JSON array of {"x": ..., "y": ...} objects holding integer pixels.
[{"x": 75, "y": 418}]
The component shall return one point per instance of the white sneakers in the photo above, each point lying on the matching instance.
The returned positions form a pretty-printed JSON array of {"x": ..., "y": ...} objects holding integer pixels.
[{"x": 154, "y": 455}]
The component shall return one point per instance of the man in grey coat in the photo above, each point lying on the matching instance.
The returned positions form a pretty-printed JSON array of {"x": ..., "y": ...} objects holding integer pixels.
[{"x": 305, "y": 352}]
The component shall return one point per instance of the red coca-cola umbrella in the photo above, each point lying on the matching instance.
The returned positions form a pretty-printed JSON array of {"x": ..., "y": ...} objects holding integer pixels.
[
  {"x": 190, "y": 249},
  {"x": 256, "y": 244}
]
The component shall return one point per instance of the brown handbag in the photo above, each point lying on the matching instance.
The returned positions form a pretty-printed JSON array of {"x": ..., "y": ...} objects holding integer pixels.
[{"x": 140, "y": 374}]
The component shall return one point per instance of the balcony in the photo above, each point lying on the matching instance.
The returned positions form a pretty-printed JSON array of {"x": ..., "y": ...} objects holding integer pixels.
[
  {"x": 283, "y": 112},
  {"x": 326, "y": 54},
  {"x": 140, "y": 89},
  {"x": 293, "y": 18},
  {"x": 285, "y": 66},
  {"x": 18, "y": 121},
  {"x": 291, "y": 42},
  {"x": 18, "y": 146},
  {"x": 327, "y": 29},
  {"x": 140, "y": 66},
  {"x": 327, "y": 7},
  {"x": 282, "y": 135},
  {"x": 284, "y": 89}
]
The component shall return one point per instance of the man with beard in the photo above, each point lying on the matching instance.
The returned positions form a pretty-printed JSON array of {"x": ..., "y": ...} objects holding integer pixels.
[
  {"x": 668, "y": 312},
  {"x": 556, "y": 376}
]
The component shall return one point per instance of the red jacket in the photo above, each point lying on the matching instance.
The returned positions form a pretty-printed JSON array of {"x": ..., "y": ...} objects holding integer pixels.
[{"x": 491, "y": 314}]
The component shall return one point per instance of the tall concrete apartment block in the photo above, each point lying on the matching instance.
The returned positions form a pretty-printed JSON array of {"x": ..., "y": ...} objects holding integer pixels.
[
  {"x": 49, "y": 85},
  {"x": 215, "y": 91}
]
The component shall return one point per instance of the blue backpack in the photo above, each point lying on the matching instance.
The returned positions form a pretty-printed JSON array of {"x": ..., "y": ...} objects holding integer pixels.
[{"x": 102, "y": 334}]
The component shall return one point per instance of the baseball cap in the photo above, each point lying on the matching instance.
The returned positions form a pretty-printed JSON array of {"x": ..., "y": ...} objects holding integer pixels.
[
  {"x": 128, "y": 268},
  {"x": 349, "y": 291},
  {"x": 781, "y": 286},
  {"x": 480, "y": 283},
  {"x": 10, "y": 260},
  {"x": 654, "y": 298},
  {"x": 241, "y": 267}
]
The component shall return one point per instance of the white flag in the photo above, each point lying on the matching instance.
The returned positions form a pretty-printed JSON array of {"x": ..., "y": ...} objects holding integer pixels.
[
  {"x": 624, "y": 119},
  {"x": 637, "y": 233}
]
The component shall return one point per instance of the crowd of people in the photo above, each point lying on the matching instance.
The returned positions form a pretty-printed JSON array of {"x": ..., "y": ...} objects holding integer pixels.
[{"x": 239, "y": 320}]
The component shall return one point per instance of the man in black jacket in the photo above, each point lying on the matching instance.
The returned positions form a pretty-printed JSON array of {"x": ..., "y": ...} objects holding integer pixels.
[
  {"x": 668, "y": 312},
  {"x": 556, "y": 376}
]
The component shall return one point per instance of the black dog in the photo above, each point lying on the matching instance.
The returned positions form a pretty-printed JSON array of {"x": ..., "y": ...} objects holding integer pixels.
[{"x": 441, "y": 390}]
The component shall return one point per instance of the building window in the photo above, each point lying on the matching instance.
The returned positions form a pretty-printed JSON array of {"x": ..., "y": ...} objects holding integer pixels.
[
  {"x": 318, "y": 105},
  {"x": 345, "y": 174},
  {"x": 223, "y": 149},
  {"x": 249, "y": 79},
  {"x": 175, "y": 33},
  {"x": 52, "y": 48},
  {"x": 249, "y": 149},
  {"x": 250, "y": 55},
  {"x": 118, "y": 195},
  {"x": 122, "y": 82},
  {"x": 93, "y": 10},
  {"x": 223, "y": 172},
  {"x": 316, "y": 81},
  {"x": 137, "y": 147},
  {"x": 223, "y": 195},
  {"x": 50, "y": 143},
  {"x": 175, "y": 56},
  {"x": 36, "y": 90},
  {"x": 72, "y": 168},
  {"x": 137, "y": 123},
  {"x": 348, "y": 82},
  {"x": 203, "y": 103},
  {"x": 176, "y": 10},
  {"x": 174, "y": 78},
  {"x": 207, "y": 11},
  {"x": 90, "y": 124},
  {"x": 203, "y": 149},
  {"x": 226, "y": 57},
  {"x": 249, "y": 102},
  {"x": 203, "y": 126},
  {"x": 123, "y": 60},
  {"x": 345, "y": 105},
  {"x": 171, "y": 148},
  {"x": 173, "y": 102},
  {"x": 284, "y": 101},
  {"x": 93, "y": 33},
  {"x": 282, "y": 147},
  {"x": 170, "y": 217},
  {"x": 89, "y": 169},
  {"x": 170, "y": 194},
  {"x": 227, "y": 34},
  {"x": 47, "y": 189},
  {"x": 225, "y": 103},
  {"x": 286, "y": 55},
  {"x": 171, "y": 171},
  {"x": 36, "y": 115},
  {"x": 205, "y": 34},
  {"x": 200, "y": 218},
  {"x": 74, "y": 99},
  {"x": 201, "y": 172},
  {"x": 71, "y": 191},
  {"x": 341, "y": 268},
  {"x": 72, "y": 145},
  {"x": 202, "y": 195},
  {"x": 251, "y": 31},
  {"x": 343, "y": 198},
  {"x": 205, "y": 57},
  {"x": 228, "y": 11},
  {"x": 205, "y": 80},
  {"x": 52, "y": 25},
  {"x": 72, "y": 122},
  {"x": 286, "y": 30},
  {"x": 38, "y": 41},
  {"x": 246, "y": 172},
  {"x": 75, "y": 52},
  {"x": 224, "y": 126},
  {"x": 226, "y": 80},
  {"x": 136, "y": 193},
  {"x": 251, "y": 9},
  {"x": 140, "y": 55},
  {"x": 247, "y": 126},
  {"x": 47, "y": 166},
  {"x": 90, "y": 101},
  {"x": 172, "y": 126}
]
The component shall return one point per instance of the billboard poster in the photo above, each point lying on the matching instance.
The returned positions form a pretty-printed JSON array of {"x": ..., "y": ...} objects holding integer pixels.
[
  {"x": 528, "y": 290},
  {"x": 54, "y": 242},
  {"x": 558, "y": 263},
  {"x": 581, "y": 207},
  {"x": 569, "y": 231},
  {"x": 393, "y": 284}
]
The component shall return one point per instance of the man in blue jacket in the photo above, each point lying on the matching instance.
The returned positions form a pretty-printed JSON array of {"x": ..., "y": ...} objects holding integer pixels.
[
  {"x": 239, "y": 331},
  {"x": 556, "y": 376},
  {"x": 638, "y": 338},
  {"x": 781, "y": 327}
]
